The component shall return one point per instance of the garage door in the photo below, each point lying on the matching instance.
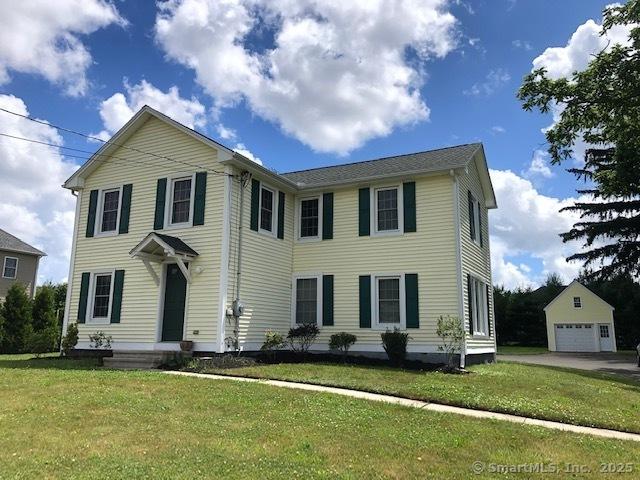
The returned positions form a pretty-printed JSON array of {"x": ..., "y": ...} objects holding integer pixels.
[{"x": 573, "y": 337}]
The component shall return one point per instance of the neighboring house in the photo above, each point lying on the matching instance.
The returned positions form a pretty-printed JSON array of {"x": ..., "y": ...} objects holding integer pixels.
[
  {"x": 178, "y": 237},
  {"x": 19, "y": 262},
  {"x": 578, "y": 320}
]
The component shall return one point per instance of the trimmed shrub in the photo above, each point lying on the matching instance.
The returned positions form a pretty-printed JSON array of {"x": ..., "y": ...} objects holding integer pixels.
[
  {"x": 302, "y": 337},
  {"x": 44, "y": 341},
  {"x": 70, "y": 340},
  {"x": 342, "y": 341},
  {"x": 272, "y": 341},
  {"x": 16, "y": 311},
  {"x": 395, "y": 344}
]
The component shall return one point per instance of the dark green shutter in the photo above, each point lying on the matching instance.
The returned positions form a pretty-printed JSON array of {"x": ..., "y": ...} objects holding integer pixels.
[
  {"x": 469, "y": 304},
  {"x": 365, "y": 301},
  {"x": 161, "y": 194},
  {"x": 489, "y": 311},
  {"x": 125, "y": 209},
  {"x": 327, "y": 216},
  {"x": 91, "y": 217},
  {"x": 411, "y": 298},
  {"x": 116, "y": 305},
  {"x": 84, "y": 294},
  {"x": 327, "y": 300},
  {"x": 200, "y": 194},
  {"x": 255, "y": 204},
  {"x": 364, "y": 222},
  {"x": 409, "y": 206},
  {"x": 281, "y": 197},
  {"x": 472, "y": 223}
]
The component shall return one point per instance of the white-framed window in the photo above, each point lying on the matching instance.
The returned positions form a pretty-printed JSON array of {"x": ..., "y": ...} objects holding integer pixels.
[
  {"x": 179, "y": 209},
  {"x": 604, "y": 331},
  {"x": 389, "y": 305},
  {"x": 101, "y": 296},
  {"x": 310, "y": 218},
  {"x": 10, "y": 267},
  {"x": 577, "y": 302},
  {"x": 267, "y": 209},
  {"x": 387, "y": 215},
  {"x": 109, "y": 205},
  {"x": 307, "y": 299},
  {"x": 479, "y": 313},
  {"x": 474, "y": 218}
]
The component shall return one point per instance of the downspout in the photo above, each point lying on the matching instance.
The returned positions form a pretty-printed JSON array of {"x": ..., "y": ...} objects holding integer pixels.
[{"x": 458, "y": 233}]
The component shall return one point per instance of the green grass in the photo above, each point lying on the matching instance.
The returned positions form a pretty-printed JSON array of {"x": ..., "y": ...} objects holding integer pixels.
[
  {"x": 64, "y": 419},
  {"x": 518, "y": 350},
  {"x": 571, "y": 396}
]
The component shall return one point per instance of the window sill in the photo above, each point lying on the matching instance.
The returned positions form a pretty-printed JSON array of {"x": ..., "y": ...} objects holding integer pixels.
[
  {"x": 308, "y": 239},
  {"x": 266, "y": 233},
  {"x": 390, "y": 327},
  {"x": 387, "y": 233},
  {"x": 177, "y": 226},
  {"x": 106, "y": 234},
  {"x": 100, "y": 321},
  {"x": 9, "y": 278}
]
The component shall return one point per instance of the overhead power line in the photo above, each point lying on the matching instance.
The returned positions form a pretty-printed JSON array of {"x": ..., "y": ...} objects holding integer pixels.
[{"x": 109, "y": 142}]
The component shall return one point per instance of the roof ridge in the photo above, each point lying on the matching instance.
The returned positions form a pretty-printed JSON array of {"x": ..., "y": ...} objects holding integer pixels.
[{"x": 382, "y": 158}]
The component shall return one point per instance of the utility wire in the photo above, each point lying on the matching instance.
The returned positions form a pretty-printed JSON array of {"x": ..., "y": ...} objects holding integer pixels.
[
  {"x": 124, "y": 161},
  {"x": 109, "y": 142}
]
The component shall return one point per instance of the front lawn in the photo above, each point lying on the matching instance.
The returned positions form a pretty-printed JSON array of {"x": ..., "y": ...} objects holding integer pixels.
[
  {"x": 65, "y": 419},
  {"x": 572, "y": 396}
]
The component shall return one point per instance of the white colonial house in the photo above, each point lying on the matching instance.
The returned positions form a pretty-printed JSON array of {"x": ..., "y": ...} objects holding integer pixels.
[{"x": 178, "y": 237}]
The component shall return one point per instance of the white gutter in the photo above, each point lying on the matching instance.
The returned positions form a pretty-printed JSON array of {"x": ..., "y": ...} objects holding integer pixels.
[{"x": 72, "y": 261}]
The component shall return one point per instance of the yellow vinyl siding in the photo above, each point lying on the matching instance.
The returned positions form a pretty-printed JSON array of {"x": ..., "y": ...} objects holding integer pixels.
[
  {"x": 266, "y": 271},
  {"x": 139, "y": 318},
  {"x": 476, "y": 260},
  {"x": 430, "y": 252},
  {"x": 561, "y": 310}
]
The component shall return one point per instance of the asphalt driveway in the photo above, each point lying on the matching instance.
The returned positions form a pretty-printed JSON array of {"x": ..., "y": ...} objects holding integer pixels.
[{"x": 619, "y": 363}]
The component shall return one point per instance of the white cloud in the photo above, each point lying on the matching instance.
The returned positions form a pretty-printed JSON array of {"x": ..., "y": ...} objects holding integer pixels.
[
  {"x": 337, "y": 72},
  {"x": 523, "y": 44},
  {"x": 226, "y": 133},
  {"x": 116, "y": 110},
  {"x": 494, "y": 80},
  {"x": 529, "y": 223},
  {"x": 44, "y": 37},
  {"x": 585, "y": 42},
  {"x": 242, "y": 150},
  {"x": 539, "y": 165},
  {"x": 33, "y": 205},
  {"x": 497, "y": 129}
]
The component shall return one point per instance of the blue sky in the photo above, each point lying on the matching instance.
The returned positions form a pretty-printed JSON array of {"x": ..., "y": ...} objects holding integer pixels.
[{"x": 466, "y": 76}]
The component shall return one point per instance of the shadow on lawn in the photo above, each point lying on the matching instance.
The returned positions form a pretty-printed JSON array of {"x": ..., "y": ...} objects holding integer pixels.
[{"x": 27, "y": 361}]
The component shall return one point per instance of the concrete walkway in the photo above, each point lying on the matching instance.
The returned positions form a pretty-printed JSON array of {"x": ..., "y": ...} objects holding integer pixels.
[
  {"x": 617, "y": 363},
  {"x": 436, "y": 407}
]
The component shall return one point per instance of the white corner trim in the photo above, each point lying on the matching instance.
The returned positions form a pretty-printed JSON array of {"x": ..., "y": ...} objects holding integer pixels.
[
  {"x": 458, "y": 242},
  {"x": 223, "y": 282},
  {"x": 72, "y": 260}
]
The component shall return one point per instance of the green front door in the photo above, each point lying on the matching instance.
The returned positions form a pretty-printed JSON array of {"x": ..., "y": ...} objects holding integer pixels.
[{"x": 175, "y": 292}]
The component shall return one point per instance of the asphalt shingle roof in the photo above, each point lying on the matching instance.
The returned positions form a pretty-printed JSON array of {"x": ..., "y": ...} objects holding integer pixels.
[
  {"x": 14, "y": 244},
  {"x": 420, "y": 162},
  {"x": 177, "y": 244}
]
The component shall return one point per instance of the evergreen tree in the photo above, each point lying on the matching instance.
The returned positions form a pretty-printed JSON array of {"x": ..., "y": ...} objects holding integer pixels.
[
  {"x": 44, "y": 315},
  {"x": 17, "y": 319},
  {"x": 602, "y": 105}
]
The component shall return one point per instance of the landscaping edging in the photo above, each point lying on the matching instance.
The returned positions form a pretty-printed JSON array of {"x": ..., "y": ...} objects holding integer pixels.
[{"x": 436, "y": 407}]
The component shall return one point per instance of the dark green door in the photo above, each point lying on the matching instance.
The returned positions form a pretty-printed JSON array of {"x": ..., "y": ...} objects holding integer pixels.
[{"x": 175, "y": 292}]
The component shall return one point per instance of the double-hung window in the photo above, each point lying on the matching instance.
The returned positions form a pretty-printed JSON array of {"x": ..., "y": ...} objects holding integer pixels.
[
  {"x": 307, "y": 300},
  {"x": 388, "y": 301},
  {"x": 181, "y": 204},
  {"x": 479, "y": 313},
  {"x": 387, "y": 211},
  {"x": 577, "y": 302},
  {"x": 101, "y": 295},
  {"x": 110, "y": 200},
  {"x": 474, "y": 219},
  {"x": 267, "y": 209},
  {"x": 310, "y": 212},
  {"x": 10, "y": 267}
]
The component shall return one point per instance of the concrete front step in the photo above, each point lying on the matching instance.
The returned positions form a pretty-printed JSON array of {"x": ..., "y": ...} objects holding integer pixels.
[{"x": 137, "y": 360}]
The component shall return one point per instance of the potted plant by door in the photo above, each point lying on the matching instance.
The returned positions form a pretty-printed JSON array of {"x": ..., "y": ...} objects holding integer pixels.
[{"x": 186, "y": 345}]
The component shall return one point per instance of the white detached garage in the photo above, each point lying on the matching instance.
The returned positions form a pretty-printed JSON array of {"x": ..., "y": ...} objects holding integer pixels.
[{"x": 580, "y": 321}]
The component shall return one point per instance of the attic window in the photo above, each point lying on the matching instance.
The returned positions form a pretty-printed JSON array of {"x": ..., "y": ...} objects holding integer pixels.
[{"x": 577, "y": 302}]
